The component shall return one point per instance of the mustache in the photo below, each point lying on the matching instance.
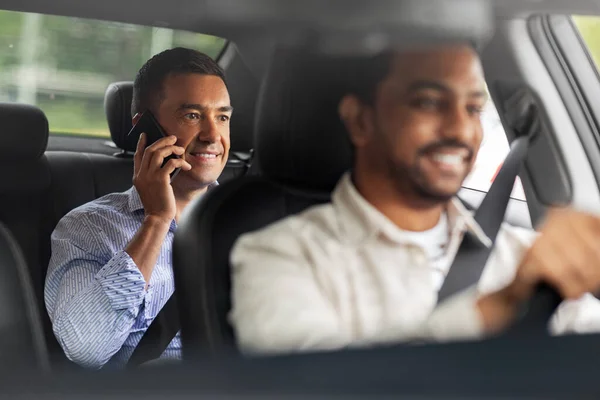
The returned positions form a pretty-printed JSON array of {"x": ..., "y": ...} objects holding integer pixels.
[{"x": 444, "y": 144}]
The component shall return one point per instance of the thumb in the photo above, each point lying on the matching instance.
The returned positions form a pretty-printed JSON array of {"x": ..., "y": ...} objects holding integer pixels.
[{"x": 526, "y": 278}]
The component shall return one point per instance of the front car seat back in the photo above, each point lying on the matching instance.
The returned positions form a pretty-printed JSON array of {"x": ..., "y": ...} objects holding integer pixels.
[
  {"x": 22, "y": 343},
  {"x": 302, "y": 150}
]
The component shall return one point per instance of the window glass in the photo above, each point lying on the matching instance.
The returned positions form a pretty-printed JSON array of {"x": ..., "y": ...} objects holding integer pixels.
[
  {"x": 589, "y": 29},
  {"x": 64, "y": 65},
  {"x": 493, "y": 150}
]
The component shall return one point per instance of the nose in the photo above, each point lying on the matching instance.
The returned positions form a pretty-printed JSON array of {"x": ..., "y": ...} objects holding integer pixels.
[
  {"x": 209, "y": 132},
  {"x": 460, "y": 125}
]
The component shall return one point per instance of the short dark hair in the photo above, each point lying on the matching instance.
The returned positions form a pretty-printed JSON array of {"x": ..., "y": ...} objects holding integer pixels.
[
  {"x": 368, "y": 74},
  {"x": 371, "y": 71},
  {"x": 148, "y": 84}
]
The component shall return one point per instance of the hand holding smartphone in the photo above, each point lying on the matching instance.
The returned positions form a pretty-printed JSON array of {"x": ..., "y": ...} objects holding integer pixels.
[{"x": 149, "y": 125}]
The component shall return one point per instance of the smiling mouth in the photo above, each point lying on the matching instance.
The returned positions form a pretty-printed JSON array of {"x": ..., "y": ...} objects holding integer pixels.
[
  {"x": 449, "y": 159},
  {"x": 453, "y": 162},
  {"x": 205, "y": 155}
]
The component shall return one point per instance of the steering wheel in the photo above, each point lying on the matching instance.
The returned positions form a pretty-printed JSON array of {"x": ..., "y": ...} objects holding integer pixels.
[{"x": 537, "y": 312}]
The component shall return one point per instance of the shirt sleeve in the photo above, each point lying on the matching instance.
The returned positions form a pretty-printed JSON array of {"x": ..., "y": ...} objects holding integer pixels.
[{"x": 92, "y": 294}]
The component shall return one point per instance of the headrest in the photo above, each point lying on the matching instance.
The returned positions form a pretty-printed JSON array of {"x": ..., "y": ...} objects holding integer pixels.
[
  {"x": 117, "y": 106},
  {"x": 24, "y": 133},
  {"x": 299, "y": 137}
]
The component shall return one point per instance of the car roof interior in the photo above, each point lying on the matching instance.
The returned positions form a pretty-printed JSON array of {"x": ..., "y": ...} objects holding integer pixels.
[{"x": 510, "y": 33}]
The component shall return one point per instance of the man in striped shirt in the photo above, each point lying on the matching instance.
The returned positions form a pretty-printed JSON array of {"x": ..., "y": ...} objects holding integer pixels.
[{"x": 110, "y": 271}]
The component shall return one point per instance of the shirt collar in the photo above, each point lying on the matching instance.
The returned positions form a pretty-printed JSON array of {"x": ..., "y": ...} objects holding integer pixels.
[
  {"x": 135, "y": 202},
  {"x": 360, "y": 220}
]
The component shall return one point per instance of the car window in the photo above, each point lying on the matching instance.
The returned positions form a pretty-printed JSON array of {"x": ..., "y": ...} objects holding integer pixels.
[
  {"x": 589, "y": 29},
  {"x": 493, "y": 150},
  {"x": 63, "y": 65}
]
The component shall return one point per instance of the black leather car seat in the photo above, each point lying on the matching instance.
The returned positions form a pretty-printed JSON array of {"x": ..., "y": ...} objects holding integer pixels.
[
  {"x": 22, "y": 343},
  {"x": 25, "y": 200},
  {"x": 302, "y": 150}
]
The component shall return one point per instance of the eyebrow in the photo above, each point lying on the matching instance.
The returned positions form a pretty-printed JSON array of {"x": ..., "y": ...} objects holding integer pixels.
[
  {"x": 201, "y": 107},
  {"x": 440, "y": 87}
]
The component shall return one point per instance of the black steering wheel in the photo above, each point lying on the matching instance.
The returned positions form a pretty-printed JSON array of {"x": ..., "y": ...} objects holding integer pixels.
[{"x": 537, "y": 312}]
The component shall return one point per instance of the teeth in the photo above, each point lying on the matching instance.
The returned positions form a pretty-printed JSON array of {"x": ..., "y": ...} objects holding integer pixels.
[
  {"x": 206, "y": 155},
  {"x": 448, "y": 158}
]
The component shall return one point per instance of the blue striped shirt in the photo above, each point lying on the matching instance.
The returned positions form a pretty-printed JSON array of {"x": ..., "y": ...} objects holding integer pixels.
[{"x": 95, "y": 294}]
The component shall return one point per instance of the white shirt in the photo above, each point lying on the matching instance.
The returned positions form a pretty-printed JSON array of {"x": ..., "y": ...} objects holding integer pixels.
[
  {"x": 434, "y": 242},
  {"x": 342, "y": 274}
]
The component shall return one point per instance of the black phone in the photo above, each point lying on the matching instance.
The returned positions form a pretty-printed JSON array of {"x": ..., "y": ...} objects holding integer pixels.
[{"x": 149, "y": 125}]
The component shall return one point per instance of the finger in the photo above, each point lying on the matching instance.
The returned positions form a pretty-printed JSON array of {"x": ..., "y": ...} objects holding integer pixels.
[
  {"x": 580, "y": 220},
  {"x": 159, "y": 144},
  {"x": 175, "y": 163},
  {"x": 593, "y": 222},
  {"x": 162, "y": 142},
  {"x": 139, "y": 153},
  {"x": 564, "y": 281},
  {"x": 553, "y": 214},
  {"x": 551, "y": 266},
  {"x": 158, "y": 156},
  {"x": 586, "y": 257},
  {"x": 567, "y": 282},
  {"x": 527, "y": 275},
  {"x": 569, "y": 276}
]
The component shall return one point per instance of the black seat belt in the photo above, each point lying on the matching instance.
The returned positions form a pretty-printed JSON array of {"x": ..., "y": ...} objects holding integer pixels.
[
  {"x": 159, "y": 334},
  {"x": 472, "y": 255}
]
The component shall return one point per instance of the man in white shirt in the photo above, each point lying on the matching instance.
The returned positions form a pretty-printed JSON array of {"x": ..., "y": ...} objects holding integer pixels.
[{"x": 366, "y": 269}]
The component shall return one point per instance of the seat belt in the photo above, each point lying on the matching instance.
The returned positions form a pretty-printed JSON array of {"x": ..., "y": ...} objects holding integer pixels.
[
  {"x": 472, "y": 255},
  {"x": 158, "y": 336}
]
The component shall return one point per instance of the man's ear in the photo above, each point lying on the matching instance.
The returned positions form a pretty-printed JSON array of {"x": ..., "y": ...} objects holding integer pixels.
[
  {"x": 352, "y": 113},
  {"x": 136, "y": 118}
]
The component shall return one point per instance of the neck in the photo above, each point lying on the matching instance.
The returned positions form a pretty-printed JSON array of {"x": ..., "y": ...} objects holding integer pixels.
[
  {"x": 184, "y": 197},
  {"x": 408, "y": 212}
]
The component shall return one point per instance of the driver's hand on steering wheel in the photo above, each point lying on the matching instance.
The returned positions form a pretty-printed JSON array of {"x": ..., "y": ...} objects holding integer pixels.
[{"x": 566, "y": 256}]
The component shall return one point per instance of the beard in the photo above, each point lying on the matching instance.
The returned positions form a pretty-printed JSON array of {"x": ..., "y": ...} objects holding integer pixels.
[{"x": 410, "y": 178}]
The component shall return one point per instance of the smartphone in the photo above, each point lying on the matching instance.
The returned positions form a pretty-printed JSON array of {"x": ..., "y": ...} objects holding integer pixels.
[{"x": 149, "y": 125}]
